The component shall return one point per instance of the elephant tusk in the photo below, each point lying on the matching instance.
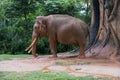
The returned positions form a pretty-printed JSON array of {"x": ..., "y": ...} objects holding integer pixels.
[
  {"x": 30, "y": 50},
  {"x": 27, "y": 48},
  {"x": 31, "y": 44}
]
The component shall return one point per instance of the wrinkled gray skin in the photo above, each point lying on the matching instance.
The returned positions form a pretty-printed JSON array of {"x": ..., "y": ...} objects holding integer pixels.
[{"x": 60, "y": 29}]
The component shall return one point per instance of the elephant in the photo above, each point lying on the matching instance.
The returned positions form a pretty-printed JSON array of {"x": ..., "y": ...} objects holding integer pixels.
[{"x": 58, "y": 28}]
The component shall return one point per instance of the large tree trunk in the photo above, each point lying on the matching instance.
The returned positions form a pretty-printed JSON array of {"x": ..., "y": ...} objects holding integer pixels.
[{"x": 105, "y": 30}]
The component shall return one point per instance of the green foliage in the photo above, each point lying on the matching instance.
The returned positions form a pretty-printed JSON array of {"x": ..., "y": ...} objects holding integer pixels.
[
  {"x": 63, "y": 48},
  {"x": 18, "y": 16},
  {"x": 12, "y": 39},
  {"x": 45, "y": 76},
  {"x": 61, "y": 7},
  {"x": 43, "y": 46},
  {"x": 19, "y": 8}
]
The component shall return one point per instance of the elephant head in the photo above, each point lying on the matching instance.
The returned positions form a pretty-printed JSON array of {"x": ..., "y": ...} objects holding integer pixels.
[{"x": 39, "y": 30}]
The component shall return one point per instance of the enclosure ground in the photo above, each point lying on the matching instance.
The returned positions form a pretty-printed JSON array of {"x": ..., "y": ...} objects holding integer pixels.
[{"x": 65, "y": 62}]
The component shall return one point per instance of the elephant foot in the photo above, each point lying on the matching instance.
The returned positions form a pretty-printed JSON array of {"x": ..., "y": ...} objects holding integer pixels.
[
  {"x": 81, "y": 56},
  {"x": 35, "y": 55},
  {"x": 54, "y": 56}
]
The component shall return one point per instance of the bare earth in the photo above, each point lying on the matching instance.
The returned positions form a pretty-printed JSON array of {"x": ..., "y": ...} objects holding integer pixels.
[{"x": 65, "y": 62}]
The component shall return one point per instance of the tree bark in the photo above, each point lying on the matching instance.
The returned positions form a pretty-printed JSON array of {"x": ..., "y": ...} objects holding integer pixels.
[
  {"x": 95, "y": 21},
  {"x": 105, "y": 30}
]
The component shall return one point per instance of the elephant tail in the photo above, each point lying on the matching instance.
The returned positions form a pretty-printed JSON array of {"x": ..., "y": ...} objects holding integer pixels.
[{"x": 88, "y": 41}]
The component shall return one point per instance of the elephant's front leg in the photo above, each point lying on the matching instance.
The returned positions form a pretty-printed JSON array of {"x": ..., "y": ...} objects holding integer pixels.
[{"x": 53, "y": 48}]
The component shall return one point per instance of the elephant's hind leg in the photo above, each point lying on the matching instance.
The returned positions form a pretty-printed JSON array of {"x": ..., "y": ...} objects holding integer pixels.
[{"x": 81, "y": 52}]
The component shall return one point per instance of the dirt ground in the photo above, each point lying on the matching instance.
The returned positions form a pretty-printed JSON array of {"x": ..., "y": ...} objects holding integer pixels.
[{"x": 65, "y": 62}]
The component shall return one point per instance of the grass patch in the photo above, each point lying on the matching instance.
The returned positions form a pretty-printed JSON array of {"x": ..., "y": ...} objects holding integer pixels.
[
  {"x": 44, "y": 76},
  {"x": 64, "y": 63},
  {"x": 9, "y": 57}
]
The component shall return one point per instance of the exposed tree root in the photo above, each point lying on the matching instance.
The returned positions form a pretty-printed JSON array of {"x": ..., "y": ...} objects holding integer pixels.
[
  {"x": 108, "y": 52},
  {"x": 97, "y": 37},
  {"x": 113, "y": 13},
  {"x": 114, "y": 35},
  {"x": 106, "y": 39}
]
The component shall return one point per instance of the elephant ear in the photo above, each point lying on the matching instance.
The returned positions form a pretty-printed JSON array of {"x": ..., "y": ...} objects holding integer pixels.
[
  {"x": 39, "y": 19},
  {"x": 42, "y": 20}
]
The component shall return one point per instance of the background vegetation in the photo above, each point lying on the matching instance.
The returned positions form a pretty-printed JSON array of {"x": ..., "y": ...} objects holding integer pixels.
[{"x": 17, "y": 18}]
